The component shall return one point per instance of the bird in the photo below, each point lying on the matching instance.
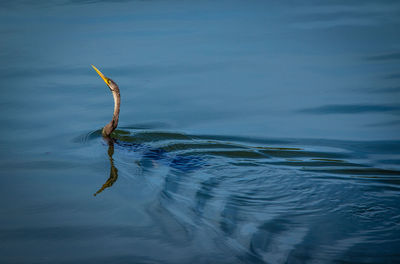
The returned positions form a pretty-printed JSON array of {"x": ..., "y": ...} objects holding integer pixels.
[
  {"x": 178, "y": 162},
  {"x": 112, "y": 125},
  {"x": 109, "y": 128}
]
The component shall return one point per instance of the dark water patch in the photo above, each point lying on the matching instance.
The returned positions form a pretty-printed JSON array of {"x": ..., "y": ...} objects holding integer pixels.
[
  {"x": 200, "y": 145},
  {"x": 393, "y": 56},
  {"x": 392, "y": 123},
  {"x": 329, "y": 160},
  {"x": 335, "y": 17},
  {"x": 242, "y": 139},
  {"x": 152, "y": 136},
  {"x": 350, "y": 109},
  {"x": 393, "y": 76},
  {"x": 357, "y": 148},
  {"x": 366, "y": 172},
  {"x": 246, "y": 163},
  {"x": 316, "y": 164},
  {"x": 303, "y": 154},
  {"x": 387, "y": 147},
  {"x": 277, "y": 148},
  {"x": 386, "y": 90},
  {"x": 390, "y": 161},
  {"x": 241, "y": 154},
  {"x": 146, "y": 125}
]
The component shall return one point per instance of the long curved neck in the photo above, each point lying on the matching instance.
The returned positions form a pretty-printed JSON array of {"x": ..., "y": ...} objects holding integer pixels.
[{"x": 109, "y": 128}]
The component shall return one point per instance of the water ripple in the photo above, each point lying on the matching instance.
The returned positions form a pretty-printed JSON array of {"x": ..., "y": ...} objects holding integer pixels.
[{"x": 262, "y": 200}]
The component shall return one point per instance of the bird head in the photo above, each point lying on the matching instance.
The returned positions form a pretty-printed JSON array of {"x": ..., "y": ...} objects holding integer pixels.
[{"x": 110, "y": 83}]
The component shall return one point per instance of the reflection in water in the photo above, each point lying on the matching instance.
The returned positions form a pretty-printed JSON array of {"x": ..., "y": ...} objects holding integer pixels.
[{"x": 113, "y": 170}]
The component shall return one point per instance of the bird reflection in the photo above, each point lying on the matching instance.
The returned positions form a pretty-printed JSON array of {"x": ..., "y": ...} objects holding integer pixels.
[{"x": 113, "y": 170}]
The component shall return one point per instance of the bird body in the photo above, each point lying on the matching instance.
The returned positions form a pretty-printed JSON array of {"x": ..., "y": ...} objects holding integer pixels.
[{"x": 112, "y": 125}]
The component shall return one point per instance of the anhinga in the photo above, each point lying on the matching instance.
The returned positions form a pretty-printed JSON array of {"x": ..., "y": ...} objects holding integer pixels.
[{"x": 109, "y": 128}]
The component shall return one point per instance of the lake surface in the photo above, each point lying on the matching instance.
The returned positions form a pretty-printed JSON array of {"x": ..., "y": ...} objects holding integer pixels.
[{"x": 250, "y": 132}]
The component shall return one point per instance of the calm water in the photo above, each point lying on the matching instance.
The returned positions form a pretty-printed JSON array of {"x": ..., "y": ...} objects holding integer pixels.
[{"x": 250, "y": 132}]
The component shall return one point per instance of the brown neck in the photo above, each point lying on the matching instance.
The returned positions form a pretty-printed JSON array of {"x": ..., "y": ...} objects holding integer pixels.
[{"x": 109, "y": 128}]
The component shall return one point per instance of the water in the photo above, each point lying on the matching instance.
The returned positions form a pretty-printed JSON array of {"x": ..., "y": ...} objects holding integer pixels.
[{"x": 250, "y": 132}]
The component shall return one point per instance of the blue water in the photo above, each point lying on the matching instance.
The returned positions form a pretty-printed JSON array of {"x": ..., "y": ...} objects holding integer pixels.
[{"x": 250, "y": 132}]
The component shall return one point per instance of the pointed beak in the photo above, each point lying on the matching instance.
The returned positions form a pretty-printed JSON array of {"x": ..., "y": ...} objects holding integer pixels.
[{"x": 101, "y": 75}]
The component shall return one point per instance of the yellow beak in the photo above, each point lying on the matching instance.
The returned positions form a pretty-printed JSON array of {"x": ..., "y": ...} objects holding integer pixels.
[{"x": 101, "y": 75}]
